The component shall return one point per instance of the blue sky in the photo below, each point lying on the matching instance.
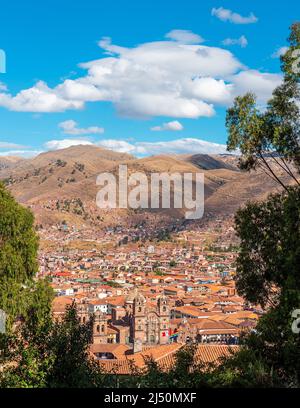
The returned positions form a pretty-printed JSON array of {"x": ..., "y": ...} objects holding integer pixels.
[{"x": 159, "y": 82}]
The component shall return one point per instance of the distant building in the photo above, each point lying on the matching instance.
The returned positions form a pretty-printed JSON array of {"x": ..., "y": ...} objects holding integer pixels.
[
  {"x": 148, "y": 324},
  {"x": 136, "y": 323}
]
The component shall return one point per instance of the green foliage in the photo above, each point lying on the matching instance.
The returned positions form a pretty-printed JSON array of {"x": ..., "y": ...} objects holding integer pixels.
[
  {"x": 19, "y": 293},
  {"x": 20, "y": 301},
  {"x": 163, "y": 235},
  {"x": 158, "y": 272},
  {"x": 36, "y": 351},
  {"x": 50, "y": 354},
  {"x": 245, "y": 369},
  {"x": 273, "y": 133},
  {"x": 18, "y": 240},
  {"x": 69, "y": 344},
  {"x": 269, "y": 257},
  {"x": 268, "y": 273}
]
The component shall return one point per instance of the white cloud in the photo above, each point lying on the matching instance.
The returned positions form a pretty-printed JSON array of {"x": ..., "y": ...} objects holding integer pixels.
[
  {"x": 184, "y": 36},
  {"x": 209, "y": 89},
  {"x": 144, "y": 105},
  {"x": 65, "y": 143},
  {"x": 279, "y": 52},
  {"x": 8, "y": 145},
  {"x": 147, "y": 80},
  {"x": 228, "y": 15},
  {"x": 242, "y": 41},
  {"x": 120, "y": 146},
  {"x": 39, "y": 98},
  {"x": 151, "y": 79},
  {"x": 261, "y": 84},
  {"x": 164, "y": 78},
  {"x": 174, "y": 126},
  {"x": 21, "y": 153},
  {"x": 70, "y": 127},
  {"x": 179, "y": 146}
]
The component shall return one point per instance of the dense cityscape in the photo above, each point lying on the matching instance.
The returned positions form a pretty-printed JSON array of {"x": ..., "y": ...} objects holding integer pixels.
[
  {"x": 147, "y": 296},
  {"x": 149, "y": 201}
]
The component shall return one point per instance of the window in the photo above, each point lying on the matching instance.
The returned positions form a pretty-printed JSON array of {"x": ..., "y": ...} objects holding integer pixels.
[{"x": 98, "y": 329}]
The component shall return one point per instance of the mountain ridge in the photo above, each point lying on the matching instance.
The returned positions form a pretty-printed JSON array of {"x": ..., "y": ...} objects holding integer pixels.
[{"x": 62, "y": 183}]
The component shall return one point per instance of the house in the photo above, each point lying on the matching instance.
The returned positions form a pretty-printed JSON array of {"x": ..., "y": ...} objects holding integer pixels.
[{"x": 98, "y": 305}]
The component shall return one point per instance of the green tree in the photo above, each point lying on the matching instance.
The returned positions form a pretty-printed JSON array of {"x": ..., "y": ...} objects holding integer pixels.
[
  {"x": 19, "y": 292},
  {"x": 69, "y": 343},
  {"x": 268, "y": 271},
  {"x": 18, "y": 240},
  {"x": 270, "y": 138},
  {"x": 51, "y": 354}
]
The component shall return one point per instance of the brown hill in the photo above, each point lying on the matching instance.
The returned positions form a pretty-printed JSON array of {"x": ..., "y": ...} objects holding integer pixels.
[
  {"x": 206, "y": 162},
  {"x": 7, "y": 162},
  {"x": 57, "y": 173},
  {"x": 61, "y": 185}
]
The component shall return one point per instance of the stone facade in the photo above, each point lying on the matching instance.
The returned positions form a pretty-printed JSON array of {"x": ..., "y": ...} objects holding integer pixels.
[
  {"x": 148, "y": 324},
  {"x": 140, "y": 323}
]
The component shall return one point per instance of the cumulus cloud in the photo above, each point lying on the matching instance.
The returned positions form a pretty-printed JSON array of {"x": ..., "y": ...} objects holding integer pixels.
[
  {"x": 120, "y": 146},
  {"x": 174, "y": 126},
  {"x": 242, "y": 41},
  {"x": 184, "y": 36},
  {"x": 228, "y": 15},
  {"x": 39, "y": 98},
  {"x": 209, "y": 89},
  {"x": 175, "y": 78},
  {"x": 21, "y": 153},
  {"x": 65, "y": 143},
  {"x": 261, "y": 84},
  {"x": 279, "y": 52},
  {"x": 138, "y": 148},
  {"x": 70, "y": 127},
  {"x": 178, "y": 146},
  {"x": 8, "y": 145}
]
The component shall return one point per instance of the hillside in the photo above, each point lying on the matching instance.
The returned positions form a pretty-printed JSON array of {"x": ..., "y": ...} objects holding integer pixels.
[
  {"x": 206, "y": 162},
  {"x": 61, "y": 185},
  {"x": 9, "y": 162}
]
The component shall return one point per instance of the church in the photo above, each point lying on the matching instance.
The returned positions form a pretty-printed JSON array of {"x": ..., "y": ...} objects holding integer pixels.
[{"x": 138, "y": 322}]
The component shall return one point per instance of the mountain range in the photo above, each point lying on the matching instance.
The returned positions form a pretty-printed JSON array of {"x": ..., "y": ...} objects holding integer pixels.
[{"x": 61, "y": 185}]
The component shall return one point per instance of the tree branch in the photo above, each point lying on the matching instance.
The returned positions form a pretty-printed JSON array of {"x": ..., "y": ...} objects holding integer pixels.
[{"x": 272, "y": 172}]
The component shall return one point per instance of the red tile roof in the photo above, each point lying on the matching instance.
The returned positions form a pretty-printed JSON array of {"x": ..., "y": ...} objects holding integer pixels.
[{"x": 165, "y": 357}]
